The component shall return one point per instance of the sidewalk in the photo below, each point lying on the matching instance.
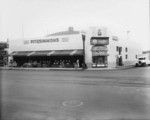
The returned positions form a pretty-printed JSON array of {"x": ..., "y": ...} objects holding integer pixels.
[
  {"x": 42, "y": 69},
  {"x": 64, "y": 69},
  {"x": 113, "y": 68}
]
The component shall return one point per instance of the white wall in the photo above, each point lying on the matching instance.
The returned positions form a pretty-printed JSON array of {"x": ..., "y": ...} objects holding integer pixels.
[
  {"x": 92, "y": 32},
  {"x": 133, "y": 50},
  {"x": 123, "y": 41},
  {"x": 88, "y": 46},
  {"x": 70, "y": 42},
  {"x": 75, "y": 42},
  {"x": 112, "y": 52}
]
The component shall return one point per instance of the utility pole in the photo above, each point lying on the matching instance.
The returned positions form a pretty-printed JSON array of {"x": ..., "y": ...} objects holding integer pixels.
[{"x": 83, "y": 39}]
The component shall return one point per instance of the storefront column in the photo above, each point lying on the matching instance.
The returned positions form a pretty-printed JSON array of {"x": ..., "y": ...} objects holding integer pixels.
[{"x": 84, "y": 64}]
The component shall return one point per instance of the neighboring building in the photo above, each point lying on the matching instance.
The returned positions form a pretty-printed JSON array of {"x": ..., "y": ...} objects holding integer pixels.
[
  {"x": 3, "y": 53},
  {"x": 147, "y": 52},
  {"x": 65, "y": 49}
]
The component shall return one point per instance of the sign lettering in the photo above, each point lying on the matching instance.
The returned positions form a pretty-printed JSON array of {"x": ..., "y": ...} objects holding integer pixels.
[
  {"x": 44, "y": 40},
  {"x": 99, "y": 40}
]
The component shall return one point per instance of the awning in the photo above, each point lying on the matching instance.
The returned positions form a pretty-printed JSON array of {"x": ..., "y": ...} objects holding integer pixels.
[
  {"x": 13, "y": 53},
  {"x": 58, "y": 53},
  {"x": 77, "y": 52},
  {"x": 20, "y": 53},
  {"x": 104, "y": 53},
  {"x": 48, "y": 53},
  {"x": 99, "y": 48},
  {"x": 62, "y": 52},
  {"x": 41, "y": 53}
]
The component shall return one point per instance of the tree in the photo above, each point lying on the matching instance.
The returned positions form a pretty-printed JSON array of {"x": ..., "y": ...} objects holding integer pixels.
[{"x": 3, "y": 53}]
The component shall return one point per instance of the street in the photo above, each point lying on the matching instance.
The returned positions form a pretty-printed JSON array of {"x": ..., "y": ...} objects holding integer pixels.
[{"x": 76, "y": 95}]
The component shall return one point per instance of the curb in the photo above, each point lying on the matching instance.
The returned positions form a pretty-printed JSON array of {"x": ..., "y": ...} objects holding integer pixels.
[
  {"x": 66, "y": 69},
  {"x": 41, "y": 69},
  {"x": 106, "y": 69}
]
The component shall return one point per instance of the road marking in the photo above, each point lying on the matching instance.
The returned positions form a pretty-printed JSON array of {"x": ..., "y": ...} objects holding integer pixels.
[{"x": 72, "y": 103}]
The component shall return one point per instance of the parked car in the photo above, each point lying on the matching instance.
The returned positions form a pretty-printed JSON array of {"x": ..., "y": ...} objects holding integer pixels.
[{"x": 143, "y": 60}]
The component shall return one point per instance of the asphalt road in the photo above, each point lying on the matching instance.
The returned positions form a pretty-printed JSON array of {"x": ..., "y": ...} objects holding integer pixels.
[{"x": 75, "y": 95}]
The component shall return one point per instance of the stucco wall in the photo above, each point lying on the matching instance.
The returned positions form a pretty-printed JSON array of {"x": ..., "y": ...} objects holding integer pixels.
[
  {"x": 68, "y": 42},
  {"x": 64, "y": 43}
]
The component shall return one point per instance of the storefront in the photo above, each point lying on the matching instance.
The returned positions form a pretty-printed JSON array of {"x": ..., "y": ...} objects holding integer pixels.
[
  {"x": 67, "y": 49},
  {"x": 99, "y": 51},
  {"x": 57, "y": 58},
  {"x": 62, "y": 49}
]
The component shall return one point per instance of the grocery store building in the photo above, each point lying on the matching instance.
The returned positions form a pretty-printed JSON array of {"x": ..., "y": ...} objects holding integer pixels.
[{"x": 97, "y": 46}]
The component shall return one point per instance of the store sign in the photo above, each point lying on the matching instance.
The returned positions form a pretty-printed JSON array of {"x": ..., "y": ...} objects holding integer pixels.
[
  {"x": 115, "y": 38},
  {"x": 65, "y": 39},
  {"x": 99, "y": 32},
  {"x": 26, "y": 42},
  {"x": 52, "y": 40},
  {"x": 102, "y": 42},
  {"x": 44, "y": 41},
  {"x": 99, "y": 41}
]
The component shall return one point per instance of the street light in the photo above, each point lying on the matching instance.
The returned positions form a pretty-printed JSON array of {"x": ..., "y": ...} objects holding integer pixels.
[{"x": 83, "y": 38}]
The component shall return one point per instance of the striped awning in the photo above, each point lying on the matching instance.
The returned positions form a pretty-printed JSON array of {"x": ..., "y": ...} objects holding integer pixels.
[
  {"x": 77, "y": 52},
  {"x": 40, "y": 53},
  {"x": 99, "y": 48},
  {"x": 48, "y": 53},
  {"x": 61, "y": 52},
  {"x": 67, "y": 52},
  {"x": 20, "y": 53},
  {"x": 13, "y": 53},
  {"x": 102, "y": 53}
]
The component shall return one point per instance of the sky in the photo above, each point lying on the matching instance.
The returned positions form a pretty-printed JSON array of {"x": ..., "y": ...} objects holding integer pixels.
[{"x": 35, "y": 18}]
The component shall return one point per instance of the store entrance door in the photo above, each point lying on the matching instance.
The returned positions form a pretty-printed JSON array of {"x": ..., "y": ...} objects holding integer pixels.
[
  {"x": 100, "y": 61},
  {"x": 120, "y": 61}
]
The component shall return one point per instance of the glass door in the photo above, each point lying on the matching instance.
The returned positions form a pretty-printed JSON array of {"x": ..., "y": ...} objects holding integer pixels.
[{"x": 99, "y": 61}]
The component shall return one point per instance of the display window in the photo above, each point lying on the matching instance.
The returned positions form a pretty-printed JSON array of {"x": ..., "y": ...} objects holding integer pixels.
[{"x": 99, "y": 61}]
